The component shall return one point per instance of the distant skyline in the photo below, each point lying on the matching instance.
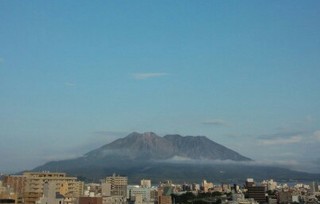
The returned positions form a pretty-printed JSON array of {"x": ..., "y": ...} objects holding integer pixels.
[{"x": 75, "y": 75}]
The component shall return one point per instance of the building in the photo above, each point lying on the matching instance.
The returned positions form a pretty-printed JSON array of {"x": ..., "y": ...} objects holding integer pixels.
[
  {"x": 314, "y": 187},
  {"x": 135, "y": 192},
  {"x": 163, "y": 199},
  {"x": 270, "y": 184},
  {"x": 114, "y": 190},
  {"x": 164, "y": 193},
  {"x": 258, "y": 193},
  {"x": 206, "y": 186},
  {"x": 285, "y": 197},
  {"x": 114, "y": 200},
  {"x": 90, "y": 200},
  {"x": 7, "y": 195},
  {"x": 34, "y": 185},
  {"x": 145, "y": 183},
  {"x": 106, "y": 189},
  {"x": 16, "y": 182},
  {"x": 7, "y": 201},
  {"x": 118, "y": 185},
  {"x": 138, "y": 199},
  {"x": 250, "y": 182},
  {"x": 92, "y": 189},
  {"x": 50, "y": 195}
]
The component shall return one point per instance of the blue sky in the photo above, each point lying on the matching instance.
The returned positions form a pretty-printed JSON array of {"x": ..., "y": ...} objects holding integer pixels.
[{"x": 75, "y": 75}]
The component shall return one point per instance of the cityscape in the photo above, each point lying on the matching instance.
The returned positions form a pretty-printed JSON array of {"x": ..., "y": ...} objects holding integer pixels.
[
  {"x": 153, "y": 179},
  {"x": 59, "y": 188},
  {"x": 159, "y": 102}
]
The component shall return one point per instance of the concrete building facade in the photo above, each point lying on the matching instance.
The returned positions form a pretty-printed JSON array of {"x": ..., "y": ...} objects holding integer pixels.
[
  {"x": 118, "y": 185},
  {"x": 34, "y": 185}
]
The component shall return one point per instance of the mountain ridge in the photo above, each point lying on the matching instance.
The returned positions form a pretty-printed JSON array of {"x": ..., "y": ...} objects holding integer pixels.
[
  {"x": 148, "y": 145},
  {"x": 181, "y": 158}
]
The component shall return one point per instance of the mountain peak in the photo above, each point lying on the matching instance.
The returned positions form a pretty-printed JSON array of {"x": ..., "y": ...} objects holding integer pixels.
[
  {"x": 142, "y": 135},
  {"x": 148, "y": 135},
  {"x": 150, "y": 146}
]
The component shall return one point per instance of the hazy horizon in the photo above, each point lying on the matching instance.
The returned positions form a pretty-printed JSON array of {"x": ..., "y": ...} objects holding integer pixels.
[{"x": 75, "y": 75}]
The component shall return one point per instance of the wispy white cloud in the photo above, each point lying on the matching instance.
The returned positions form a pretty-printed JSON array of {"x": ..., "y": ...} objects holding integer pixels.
[
  {"x": 142, "y": 76},
  {"x": 293, "y": 164},
  {"x": 279, "y": 163},
  {"x": 309, "y": 119},
  {"x": 69, "y": 84},
  {"x": 216, "y": 122},
  {"x": 281, "y": 140},
  {"x": 302, "y": 125},
  {"x": 316, "y": 135},
  {"x": 284, "y": 163},
  {"x": 282, "y": 134},
  {"x": 284, "y": 138}
]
